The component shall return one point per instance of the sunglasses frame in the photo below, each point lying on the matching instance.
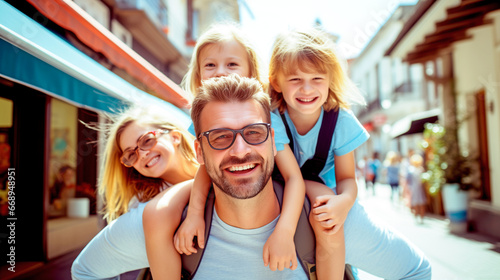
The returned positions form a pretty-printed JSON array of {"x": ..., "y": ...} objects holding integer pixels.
[
  {"x": 235, "y": 133},
  {"x": 156, "y": 134}
]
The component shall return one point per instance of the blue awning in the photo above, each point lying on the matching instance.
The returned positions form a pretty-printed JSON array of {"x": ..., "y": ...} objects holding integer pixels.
[{"x": 32, "y": 55}]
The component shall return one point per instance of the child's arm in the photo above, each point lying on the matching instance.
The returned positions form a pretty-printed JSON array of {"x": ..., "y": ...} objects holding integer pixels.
[
  {"x": 279, "y": 250},
  {"x": 330, "y": 210},
  {"x": 160, "y": 219},
  {"x": 194, "y": 224}
]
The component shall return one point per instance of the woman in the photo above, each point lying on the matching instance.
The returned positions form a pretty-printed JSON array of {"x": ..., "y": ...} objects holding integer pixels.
[{"x": 146, "y": 153}]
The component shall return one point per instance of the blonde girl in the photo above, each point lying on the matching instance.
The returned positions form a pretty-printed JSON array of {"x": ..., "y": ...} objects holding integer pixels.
[
  {"x": 146, "y": 152},
  {"x": 308, "y": 79},
  {"x": 220, "y": 51}
]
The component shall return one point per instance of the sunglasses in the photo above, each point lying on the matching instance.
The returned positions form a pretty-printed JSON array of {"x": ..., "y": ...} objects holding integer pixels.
[
  {"x": 146, "y": 142},
  {"x": 223, "y": 138}
]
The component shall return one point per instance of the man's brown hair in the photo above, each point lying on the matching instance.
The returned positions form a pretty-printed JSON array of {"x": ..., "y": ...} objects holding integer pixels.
[{"x": 232, "y": 88}]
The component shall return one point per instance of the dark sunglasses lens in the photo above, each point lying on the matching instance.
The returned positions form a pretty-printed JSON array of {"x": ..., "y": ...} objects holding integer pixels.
[
  {"x": 147, "y": 142},
  {"x": 129, "y": 158},
  {"x": 255, "y": 134},
  {"x": 220, "y": 138},
  {"x": 223, "y": 138}
]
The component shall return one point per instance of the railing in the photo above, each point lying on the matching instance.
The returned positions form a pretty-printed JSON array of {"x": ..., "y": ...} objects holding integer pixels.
[
  {"x": 155, "y": 9},
  {"x": 371, "y": 107},
  {"x": 407, "y": 90}
]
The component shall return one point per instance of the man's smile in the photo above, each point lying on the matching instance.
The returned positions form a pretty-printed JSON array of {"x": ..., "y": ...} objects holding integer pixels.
[{"x": 241, "y": 168}]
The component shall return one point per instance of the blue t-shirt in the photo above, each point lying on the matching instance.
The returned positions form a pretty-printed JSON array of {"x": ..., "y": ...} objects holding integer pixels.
[{"x": 349, "y": 134}]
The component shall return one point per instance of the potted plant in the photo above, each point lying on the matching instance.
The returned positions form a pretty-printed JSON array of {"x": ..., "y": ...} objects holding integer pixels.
[{"x": 449, "y": 171}]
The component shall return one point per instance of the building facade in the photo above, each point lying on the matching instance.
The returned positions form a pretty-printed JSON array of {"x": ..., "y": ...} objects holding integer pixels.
[
  {"x": 441, "y": 64},
  {"x": 64, "y": 64}
]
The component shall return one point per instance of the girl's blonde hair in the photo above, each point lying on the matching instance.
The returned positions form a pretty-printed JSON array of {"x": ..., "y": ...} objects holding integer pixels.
[
  {"x": 216, "y": 34},
  {"x": 119, "y": 184},
  {"x": 309, "y": 50}
]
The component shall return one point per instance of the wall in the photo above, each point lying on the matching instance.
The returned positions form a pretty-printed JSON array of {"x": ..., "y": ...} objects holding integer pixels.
[{"x": 474, "y": 69}]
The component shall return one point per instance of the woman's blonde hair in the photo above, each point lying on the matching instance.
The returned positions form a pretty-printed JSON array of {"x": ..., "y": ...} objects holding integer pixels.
[
  {"x": 119, "y": 184},
  {"x": 311, "y": 49},
  {"x": 220, "y": 33}
]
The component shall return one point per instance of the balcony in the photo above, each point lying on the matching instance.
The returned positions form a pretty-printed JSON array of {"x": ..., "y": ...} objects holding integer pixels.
[
  {"x": 148, "y": 22},
  {"x": 372, "y": 107}
]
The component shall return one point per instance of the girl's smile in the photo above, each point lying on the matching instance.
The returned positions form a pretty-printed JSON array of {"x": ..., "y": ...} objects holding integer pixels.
[{"x": 304, "y": 92}]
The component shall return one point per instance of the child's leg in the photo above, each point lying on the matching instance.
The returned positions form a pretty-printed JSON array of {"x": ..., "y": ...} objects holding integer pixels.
[
  {"x": 161, "y": 218},
  {"x": 330, "y": 248},
  {"x": 330, "y": 252},
  {"x": 381, "y": 252}
]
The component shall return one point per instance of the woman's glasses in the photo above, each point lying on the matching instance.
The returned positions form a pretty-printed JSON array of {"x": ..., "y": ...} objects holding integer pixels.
[
  {"x": 146, "y": 142},
  {"x": 223, "y": 138}
]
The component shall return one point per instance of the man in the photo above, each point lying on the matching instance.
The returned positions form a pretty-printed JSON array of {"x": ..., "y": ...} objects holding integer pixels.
[{"x": 240, "y": 162}]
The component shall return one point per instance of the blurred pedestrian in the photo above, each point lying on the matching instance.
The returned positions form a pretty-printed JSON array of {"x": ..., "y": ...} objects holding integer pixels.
[
  {"x": 373, "y": 170},
  {"x": 392, "y": 166},
  {"x": 403, "y": 172},
  {"x": 418, "y": 199}
]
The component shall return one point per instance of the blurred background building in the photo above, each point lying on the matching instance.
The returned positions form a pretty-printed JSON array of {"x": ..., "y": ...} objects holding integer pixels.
[
  {"x": 63, "y": 61},
  {"x": 438, "y": 61}
]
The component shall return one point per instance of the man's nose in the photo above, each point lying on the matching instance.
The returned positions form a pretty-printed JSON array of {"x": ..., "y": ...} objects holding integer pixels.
[{"x": 240, "y": 147}]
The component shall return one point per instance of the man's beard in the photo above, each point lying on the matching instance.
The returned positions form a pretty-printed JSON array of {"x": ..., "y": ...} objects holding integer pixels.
[{"x": 242, "y": 188}]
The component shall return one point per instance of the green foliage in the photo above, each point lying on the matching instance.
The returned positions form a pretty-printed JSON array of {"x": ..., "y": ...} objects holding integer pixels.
[{"x": 445, "y": 163}]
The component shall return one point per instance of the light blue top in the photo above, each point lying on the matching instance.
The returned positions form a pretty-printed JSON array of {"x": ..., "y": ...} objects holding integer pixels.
[
  {"x": 235, "y": 253},
  {"x": 369, "y": 246},
  {"x": 280, "y": 137},
  {"x": 117, "y": 248},
  {"x": 348, "y": 135}
]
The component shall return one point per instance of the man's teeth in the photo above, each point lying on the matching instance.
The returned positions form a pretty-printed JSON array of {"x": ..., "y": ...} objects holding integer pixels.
[
  {"x": 306, "y": 99},
  {"x": 153, "y": 161},
  {"x": 241, "y": 168}
]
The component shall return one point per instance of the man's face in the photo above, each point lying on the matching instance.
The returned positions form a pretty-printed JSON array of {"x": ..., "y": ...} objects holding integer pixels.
[{"x": 242, "y": 170}]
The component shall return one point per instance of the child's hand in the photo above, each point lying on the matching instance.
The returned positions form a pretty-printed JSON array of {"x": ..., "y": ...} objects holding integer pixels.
[
  {"x": 279, "y": 251},
  {"x": 331, "y": 211},
  {"x": 193, "y": 225}
]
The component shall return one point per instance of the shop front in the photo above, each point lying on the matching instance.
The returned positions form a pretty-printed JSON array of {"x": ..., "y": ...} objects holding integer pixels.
[{"x": 49, "y": 158}]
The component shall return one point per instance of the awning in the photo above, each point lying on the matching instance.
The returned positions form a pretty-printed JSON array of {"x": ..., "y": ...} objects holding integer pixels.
[
  {"x": 34, "y": 56},
  {"x": 70, "y": 16},
  {"x": 414, "y": 123}
]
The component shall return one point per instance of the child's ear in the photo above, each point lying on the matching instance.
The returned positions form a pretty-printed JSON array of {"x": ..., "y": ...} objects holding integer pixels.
[{"x": 275, "y": 85}]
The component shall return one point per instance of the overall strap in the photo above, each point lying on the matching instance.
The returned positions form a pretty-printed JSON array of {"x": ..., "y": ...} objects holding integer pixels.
[
  {"x": 312, "y": 167},
  {"x": 190, "y": 263}
]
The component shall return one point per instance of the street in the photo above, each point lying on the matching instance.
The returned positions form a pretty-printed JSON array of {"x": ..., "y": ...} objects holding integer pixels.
[{"x": 466, "y": 257}]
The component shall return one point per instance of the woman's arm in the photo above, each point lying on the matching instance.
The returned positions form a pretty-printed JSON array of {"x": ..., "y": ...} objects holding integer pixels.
[
  {"x": 279, "y": 250},
  {"x": 160, "y": 220}
]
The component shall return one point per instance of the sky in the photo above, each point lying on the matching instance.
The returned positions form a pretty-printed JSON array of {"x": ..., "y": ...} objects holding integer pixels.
[{"x": 353, "y": 21}]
